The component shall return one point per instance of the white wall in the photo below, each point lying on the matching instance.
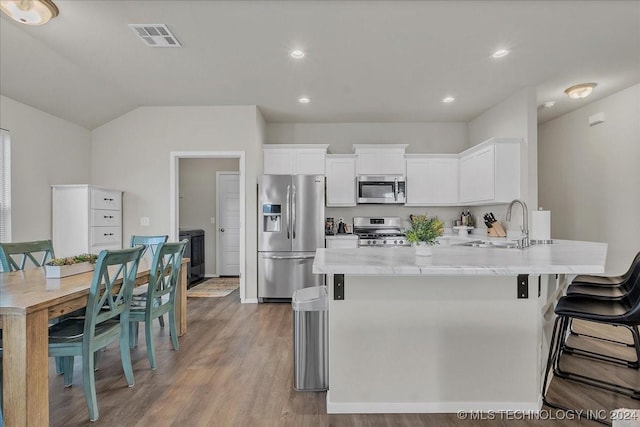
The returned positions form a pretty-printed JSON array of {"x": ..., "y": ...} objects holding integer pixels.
[
  {"x": 516, "y": 116},
  {"x": 132, "y": 153},
  {"x": 421, "y": 137},
  {"x": 45, "y": 150},
  {"x": 197, "y": 183},
  {"x": 590, "y": 176}
]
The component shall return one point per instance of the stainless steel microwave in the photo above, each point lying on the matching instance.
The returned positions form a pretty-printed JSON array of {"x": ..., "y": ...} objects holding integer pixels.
[{"x": 381, "y": 189}]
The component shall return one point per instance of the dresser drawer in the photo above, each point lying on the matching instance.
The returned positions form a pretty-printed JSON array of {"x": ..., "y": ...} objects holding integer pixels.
[
  {"x": 105, "y": 218},
  {"x": 96, "y": 249},
  {"x": 104, "y": 199},
  {"x": 101, "y": 236}
]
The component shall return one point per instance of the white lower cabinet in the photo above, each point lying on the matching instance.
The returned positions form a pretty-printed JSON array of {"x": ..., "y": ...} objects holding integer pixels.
[
  {"x": 341, "y": 180},
  {"x": 342, "y": 241},
  {"x": 86, "y": 219},
  {"x": 432, "y": 180}
]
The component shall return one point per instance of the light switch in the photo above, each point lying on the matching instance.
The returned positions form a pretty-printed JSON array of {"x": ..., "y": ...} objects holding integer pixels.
[
  {"x": 144, "y": 220},
  {"x": 213, "y": 220}
]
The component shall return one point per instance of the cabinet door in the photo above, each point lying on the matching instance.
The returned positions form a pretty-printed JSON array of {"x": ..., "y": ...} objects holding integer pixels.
[
  {"x": 477, "y": 176},
  {"x": 341, "y": 181},
  {"x": 391, "y": 162},
  {"x": 432, "y": 182},
  {"x": 277, "y": 161},
  {"x": 309, "y": 162},
  {"x": 368, "y": 162}
]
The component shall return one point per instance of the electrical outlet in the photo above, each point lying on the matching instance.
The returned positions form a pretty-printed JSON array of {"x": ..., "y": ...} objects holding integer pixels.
[{"x": 144, "y": 221}]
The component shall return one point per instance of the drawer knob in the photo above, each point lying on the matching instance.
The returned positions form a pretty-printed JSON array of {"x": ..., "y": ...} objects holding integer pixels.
[
  {"x": 108, "y": 234},
  {"x": 108, "y": 200},
  {"x": 108, "y": 216}
]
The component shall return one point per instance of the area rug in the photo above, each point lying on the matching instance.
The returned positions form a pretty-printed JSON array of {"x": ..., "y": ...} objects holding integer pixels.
[{"x": 214, "y": 288}]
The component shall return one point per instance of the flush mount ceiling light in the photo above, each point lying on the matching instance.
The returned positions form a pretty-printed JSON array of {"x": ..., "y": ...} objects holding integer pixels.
[
  {"x": 30, "y": 12},
  {"x": 500, "y": 53},
  {"x": 296, "y": 54},
  {"x": 448, "y": 99},
  {"x": 304, "y": 100},
  {"x": 580, "y": 91}
]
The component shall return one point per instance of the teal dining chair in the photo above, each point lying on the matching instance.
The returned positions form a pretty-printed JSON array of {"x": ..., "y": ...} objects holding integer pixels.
[
  {"x": 150, "y": 244},
  {"x": 14, "y": 256},
  {"x": 161, "y": 296},
  {"x": 106, "y": 320}
]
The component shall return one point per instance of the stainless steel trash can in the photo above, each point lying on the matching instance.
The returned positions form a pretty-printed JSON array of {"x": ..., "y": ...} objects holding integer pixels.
[{"x": 311, "y": 339}]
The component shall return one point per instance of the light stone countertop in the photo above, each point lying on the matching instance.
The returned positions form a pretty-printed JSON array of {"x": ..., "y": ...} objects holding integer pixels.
[{"x": 450, "y": 259}]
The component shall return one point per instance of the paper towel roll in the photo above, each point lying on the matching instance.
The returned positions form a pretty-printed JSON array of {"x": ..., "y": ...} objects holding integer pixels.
[{"x": 540, "y": 225}]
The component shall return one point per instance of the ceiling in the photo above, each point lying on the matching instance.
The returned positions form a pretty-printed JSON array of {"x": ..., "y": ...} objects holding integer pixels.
[{"x": 366, "y": 61}]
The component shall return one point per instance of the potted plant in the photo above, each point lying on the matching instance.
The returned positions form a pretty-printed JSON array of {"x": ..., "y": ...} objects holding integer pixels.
[
  {"x": 423, "y": 233},
  {"x": 62, "y": 267}
]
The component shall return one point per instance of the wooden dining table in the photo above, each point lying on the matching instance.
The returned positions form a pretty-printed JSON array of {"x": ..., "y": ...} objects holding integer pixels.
[{"x": 27, "y": 301}]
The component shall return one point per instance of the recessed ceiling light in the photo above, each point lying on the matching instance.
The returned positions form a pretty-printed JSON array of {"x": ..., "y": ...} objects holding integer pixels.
[
  {"x": 304, "y": 100},
  {"x": 500, "y": 53},
  {"x": 548, "y": 104},
  {"x": 296, "y": 54},
  {"x": 448, "y": 99},
  {"x": 580, "y": 91}
]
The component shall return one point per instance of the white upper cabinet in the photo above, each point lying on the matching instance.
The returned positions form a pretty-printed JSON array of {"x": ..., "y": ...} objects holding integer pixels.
[
  {"x": 432, "y": 179},
  {"x": 294, "y": 159},
  {"x": 490, "y": 172},
  {"x": 341, "y": 179},
  {"x": 380, "y": 159}
]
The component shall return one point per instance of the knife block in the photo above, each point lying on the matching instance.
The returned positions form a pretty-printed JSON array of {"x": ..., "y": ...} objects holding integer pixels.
[{"x": 496, "y": 230}]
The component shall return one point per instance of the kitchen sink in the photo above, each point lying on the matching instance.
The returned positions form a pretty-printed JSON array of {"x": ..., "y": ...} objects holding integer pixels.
[{"x": 511, "y": 244}]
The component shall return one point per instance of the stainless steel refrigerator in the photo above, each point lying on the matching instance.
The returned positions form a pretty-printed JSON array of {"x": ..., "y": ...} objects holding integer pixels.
[{"x": 290, "y": 229}]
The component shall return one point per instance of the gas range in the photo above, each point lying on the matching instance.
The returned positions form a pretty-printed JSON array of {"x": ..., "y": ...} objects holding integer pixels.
[{"x": 379, "y": 231}]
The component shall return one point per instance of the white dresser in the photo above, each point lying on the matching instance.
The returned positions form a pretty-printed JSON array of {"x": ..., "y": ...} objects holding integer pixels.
[{"x": 86, "y": 219}]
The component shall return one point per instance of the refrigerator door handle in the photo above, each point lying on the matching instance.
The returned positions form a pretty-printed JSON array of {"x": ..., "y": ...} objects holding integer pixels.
[
  {"x": 288, "y": 257},
  {"x": 293, "y": 211},
  {"x": 288, "y": 209}
]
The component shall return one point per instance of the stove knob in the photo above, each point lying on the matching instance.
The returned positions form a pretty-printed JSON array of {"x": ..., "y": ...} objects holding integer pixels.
[
  {"x": 384, "y": 242},
  {"x": 395, "y": 242},
  {"x": 373, "y": 242}
]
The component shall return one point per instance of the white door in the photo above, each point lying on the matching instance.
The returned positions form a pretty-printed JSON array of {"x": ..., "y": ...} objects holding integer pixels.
[{"x": 228, "y": 223}]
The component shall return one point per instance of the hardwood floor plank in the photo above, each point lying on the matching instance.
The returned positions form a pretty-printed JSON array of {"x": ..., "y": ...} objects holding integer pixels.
[{"x": 235, "y": 368}]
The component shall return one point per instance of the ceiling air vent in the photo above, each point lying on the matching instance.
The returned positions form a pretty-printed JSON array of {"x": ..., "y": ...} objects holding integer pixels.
[{"x": 155, "y": 35}]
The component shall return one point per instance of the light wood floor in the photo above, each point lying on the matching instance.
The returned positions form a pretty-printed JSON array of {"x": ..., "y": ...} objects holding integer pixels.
[{"x": 234, "y": 368}]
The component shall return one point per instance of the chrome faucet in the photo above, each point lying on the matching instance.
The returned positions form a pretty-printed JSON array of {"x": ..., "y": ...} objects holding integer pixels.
[{"x": 524, "y": 243}]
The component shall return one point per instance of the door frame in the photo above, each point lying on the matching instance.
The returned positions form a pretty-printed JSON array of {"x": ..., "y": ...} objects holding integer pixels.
[
  {"x": 218, "y": 173},
  {"x": 174, "y": 202}
]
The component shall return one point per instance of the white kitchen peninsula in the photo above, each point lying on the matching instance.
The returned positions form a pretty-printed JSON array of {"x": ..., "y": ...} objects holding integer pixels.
[{"x": 464, "y": 329}]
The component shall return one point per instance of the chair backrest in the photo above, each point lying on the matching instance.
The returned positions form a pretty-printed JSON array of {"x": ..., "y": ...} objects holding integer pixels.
[
  {"x": 150, "y": 244},
  {"x": 632, "y": 267},
  {"x": 165, "y": 271},
  {"x": 13, "y": 256},
  {"x": 112, "y": 287}
]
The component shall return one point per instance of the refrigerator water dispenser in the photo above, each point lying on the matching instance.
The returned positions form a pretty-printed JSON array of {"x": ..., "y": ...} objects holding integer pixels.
[{"x": 272, "y": 218}]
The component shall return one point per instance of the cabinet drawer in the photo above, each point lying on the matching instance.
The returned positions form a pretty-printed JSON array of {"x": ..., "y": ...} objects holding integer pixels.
[
  {"x": 106, "y": 236},
  {"x": 97, "y": 248},
  {"x": 104, "y": 199},
  {"x": 105, "y": 218}
]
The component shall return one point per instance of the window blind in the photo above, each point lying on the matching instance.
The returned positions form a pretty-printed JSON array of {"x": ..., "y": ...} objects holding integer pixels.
[{"x": 5, "y": 186}]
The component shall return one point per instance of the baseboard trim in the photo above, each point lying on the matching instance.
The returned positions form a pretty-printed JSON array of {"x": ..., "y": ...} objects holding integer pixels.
[
  {"x": 427, "y": 407},
  {"x": 249, "y": 301},
  {"x": 211, "y": 276}
]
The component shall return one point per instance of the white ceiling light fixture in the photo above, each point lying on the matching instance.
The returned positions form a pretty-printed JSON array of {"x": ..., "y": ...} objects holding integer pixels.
[
  {"x": 296, "y": 54},
  {"x": 30, "y": 12},
  {"x": 448, "y": 99},
  {"x": 580, "y": 91},
  {"x": 304, "y": 100},
  {"x": 155, "y": 35},
  {"x": 500, "y": 53}
]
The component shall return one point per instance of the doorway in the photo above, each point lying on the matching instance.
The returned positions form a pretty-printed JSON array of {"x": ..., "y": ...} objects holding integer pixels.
[{"x": 175, "y": 200}]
